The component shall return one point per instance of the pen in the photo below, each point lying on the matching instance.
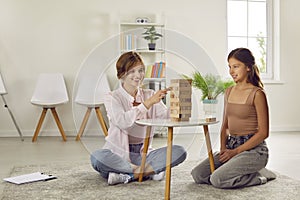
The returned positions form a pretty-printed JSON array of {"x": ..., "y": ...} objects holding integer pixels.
[{"x": 50, "y": 178}]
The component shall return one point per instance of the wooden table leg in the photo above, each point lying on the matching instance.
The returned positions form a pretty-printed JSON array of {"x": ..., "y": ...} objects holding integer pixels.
[
  {"x": 144, "y": 155},
  {"x": 168, "y": 163},
  {"x": 209, "y": 149}
]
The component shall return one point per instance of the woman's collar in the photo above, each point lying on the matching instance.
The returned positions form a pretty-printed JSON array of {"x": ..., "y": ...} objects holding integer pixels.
[{"x": 138, "y": 96}]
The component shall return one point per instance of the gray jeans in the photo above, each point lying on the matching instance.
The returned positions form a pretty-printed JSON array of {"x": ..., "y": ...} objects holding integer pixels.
[
  {"x": 105, "y": 161},
  {"x": 239, "y": 171}
]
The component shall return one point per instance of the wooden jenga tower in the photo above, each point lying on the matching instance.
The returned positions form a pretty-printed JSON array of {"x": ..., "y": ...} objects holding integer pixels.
[{"x": 181, "y": 99}]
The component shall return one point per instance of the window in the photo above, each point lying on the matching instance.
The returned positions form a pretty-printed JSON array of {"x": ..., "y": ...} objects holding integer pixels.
[{"x": 250, "y": 24}]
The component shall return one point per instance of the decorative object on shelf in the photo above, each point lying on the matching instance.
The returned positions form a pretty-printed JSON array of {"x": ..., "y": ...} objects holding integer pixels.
[
  {"x": 181, "y": 99},
  {"x": 151, "y": 35},
  {"x": 142, "y": 20},
  {"x": 211, "y": 87}
]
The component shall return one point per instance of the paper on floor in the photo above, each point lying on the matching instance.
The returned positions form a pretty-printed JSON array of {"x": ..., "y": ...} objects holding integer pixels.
[{"x": 27, "y": 178}]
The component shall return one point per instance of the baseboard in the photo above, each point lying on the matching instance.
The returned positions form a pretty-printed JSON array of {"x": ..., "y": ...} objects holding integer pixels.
[
  {"x": 29, "y": 133},
  {"x": 177, "y": 130},
  {"x": 285, "y": 129}
]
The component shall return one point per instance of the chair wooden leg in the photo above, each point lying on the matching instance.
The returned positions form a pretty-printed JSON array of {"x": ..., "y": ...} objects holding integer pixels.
[
  {"x": 83, "y": 124},
  {"x": 39, "y": 125},
  {"x": 101, "y": 121},
  {"x": 59, "y": 125}
]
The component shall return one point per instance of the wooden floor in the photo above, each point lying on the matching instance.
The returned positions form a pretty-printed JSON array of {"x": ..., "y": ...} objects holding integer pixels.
[{"x": 284, "y": 151}]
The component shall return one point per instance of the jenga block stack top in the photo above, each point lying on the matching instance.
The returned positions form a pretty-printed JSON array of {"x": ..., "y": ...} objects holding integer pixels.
[
  {"x": 182, "y": 81},
  {"x": 181, "y": 88},
  {"x": 180, "y": 99}
]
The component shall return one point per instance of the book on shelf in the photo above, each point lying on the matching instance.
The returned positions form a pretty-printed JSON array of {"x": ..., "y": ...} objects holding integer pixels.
[
  {"x": 128, "y": 42},
  {"x": 162, "y": 70},
  {"x": 148, "y": 71},
  {"x": 154, "y": 71},
  {"x": 157, "y": 70}
]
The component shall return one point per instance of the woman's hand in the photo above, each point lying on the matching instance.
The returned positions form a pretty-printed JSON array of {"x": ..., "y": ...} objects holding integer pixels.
[
  {"x": 160, "y": 94},
  {"x": 227, "y": 154}
]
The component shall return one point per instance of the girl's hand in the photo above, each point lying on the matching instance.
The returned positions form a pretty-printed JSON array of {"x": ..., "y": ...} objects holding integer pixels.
[
  {"x": 160, "y": 94},
  {"x": 227, "y": 154}
]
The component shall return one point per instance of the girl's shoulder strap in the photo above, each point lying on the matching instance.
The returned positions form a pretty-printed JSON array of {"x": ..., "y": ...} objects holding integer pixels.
[
  {"x": 227, "y": 92},
  {"x": 251, "y": 96}
]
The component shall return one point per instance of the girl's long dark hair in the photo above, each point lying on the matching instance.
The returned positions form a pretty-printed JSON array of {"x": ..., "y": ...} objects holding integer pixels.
[{"x": 245, "y": 56}]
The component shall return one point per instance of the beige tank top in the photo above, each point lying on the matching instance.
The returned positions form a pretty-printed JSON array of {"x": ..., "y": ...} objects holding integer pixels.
[{"x": 242, "y": 118}]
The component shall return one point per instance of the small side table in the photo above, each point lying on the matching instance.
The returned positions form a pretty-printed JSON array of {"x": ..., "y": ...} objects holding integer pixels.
[{"x": 171, "y": 124}]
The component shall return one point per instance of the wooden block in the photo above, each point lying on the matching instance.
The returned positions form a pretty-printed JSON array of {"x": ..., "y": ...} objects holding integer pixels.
[
  {"x": 181, "y": 81},
  {"x": 174, "y": 119},
  {"x": 179, "y": 88},
  {"x": 181, "y": 100},
  {"x": 185, "y": 103},
  {"x": 180, "y": 111},
  {"x": 178, "y": 115},
  {"x": 184, "y": 93},
  {"x": 179, "y": 119},
  {"x": 189, "y": 108},
  {"x": 213, "y": 119},
  {"x": 176, "y": 104},
  {"x": 181, "y": 96}
]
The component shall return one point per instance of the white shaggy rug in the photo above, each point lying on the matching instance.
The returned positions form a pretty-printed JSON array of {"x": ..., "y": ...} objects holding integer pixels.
[{"x": 80, "y": 181}]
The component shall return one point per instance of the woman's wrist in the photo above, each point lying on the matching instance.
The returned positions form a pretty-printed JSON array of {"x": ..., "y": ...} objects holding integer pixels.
[
  {"x": 238, "y": 150},
  {"x": 222, "y": 148},
  {"x": 148, "y": 103}
]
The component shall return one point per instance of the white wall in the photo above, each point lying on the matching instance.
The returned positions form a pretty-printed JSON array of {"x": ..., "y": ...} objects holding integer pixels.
[
  {"x": 284, "y": 98},
  {"x": 57, "y": 35}
]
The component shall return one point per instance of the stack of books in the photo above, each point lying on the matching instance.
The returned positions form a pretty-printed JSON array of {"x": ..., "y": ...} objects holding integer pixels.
[
  {"x": 157, "y": 70},
  {"x": 128, "y": 42}
]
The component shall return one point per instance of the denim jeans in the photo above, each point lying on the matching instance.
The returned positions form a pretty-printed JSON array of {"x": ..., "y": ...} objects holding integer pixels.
[
  {"x": 105, "y": 161},
  {"x": 240, "y": 171}
]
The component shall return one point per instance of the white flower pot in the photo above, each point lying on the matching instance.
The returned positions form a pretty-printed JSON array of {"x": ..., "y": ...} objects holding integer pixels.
[{"x": 210, "y": 109}]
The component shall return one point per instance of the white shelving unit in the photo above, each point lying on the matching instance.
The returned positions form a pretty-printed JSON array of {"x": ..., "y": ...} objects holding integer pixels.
[{"x": 131, "y": 39}]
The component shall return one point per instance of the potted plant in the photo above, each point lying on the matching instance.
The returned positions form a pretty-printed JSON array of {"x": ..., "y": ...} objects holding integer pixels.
[
  {"x": 151, "y": 35},
  {"x": 211, "y": 87}
]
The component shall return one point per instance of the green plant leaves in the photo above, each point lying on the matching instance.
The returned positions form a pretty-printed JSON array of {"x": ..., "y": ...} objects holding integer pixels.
[
  {"x": 210, "y": 85},
  {"x": 151, "y": 34}
]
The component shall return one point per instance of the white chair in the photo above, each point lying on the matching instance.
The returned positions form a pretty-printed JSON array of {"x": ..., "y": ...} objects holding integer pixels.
[
  {"x": 90, "y": 93},
  {"x": 2, "y": 93},
  {"x": 50, "y": 92}
]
